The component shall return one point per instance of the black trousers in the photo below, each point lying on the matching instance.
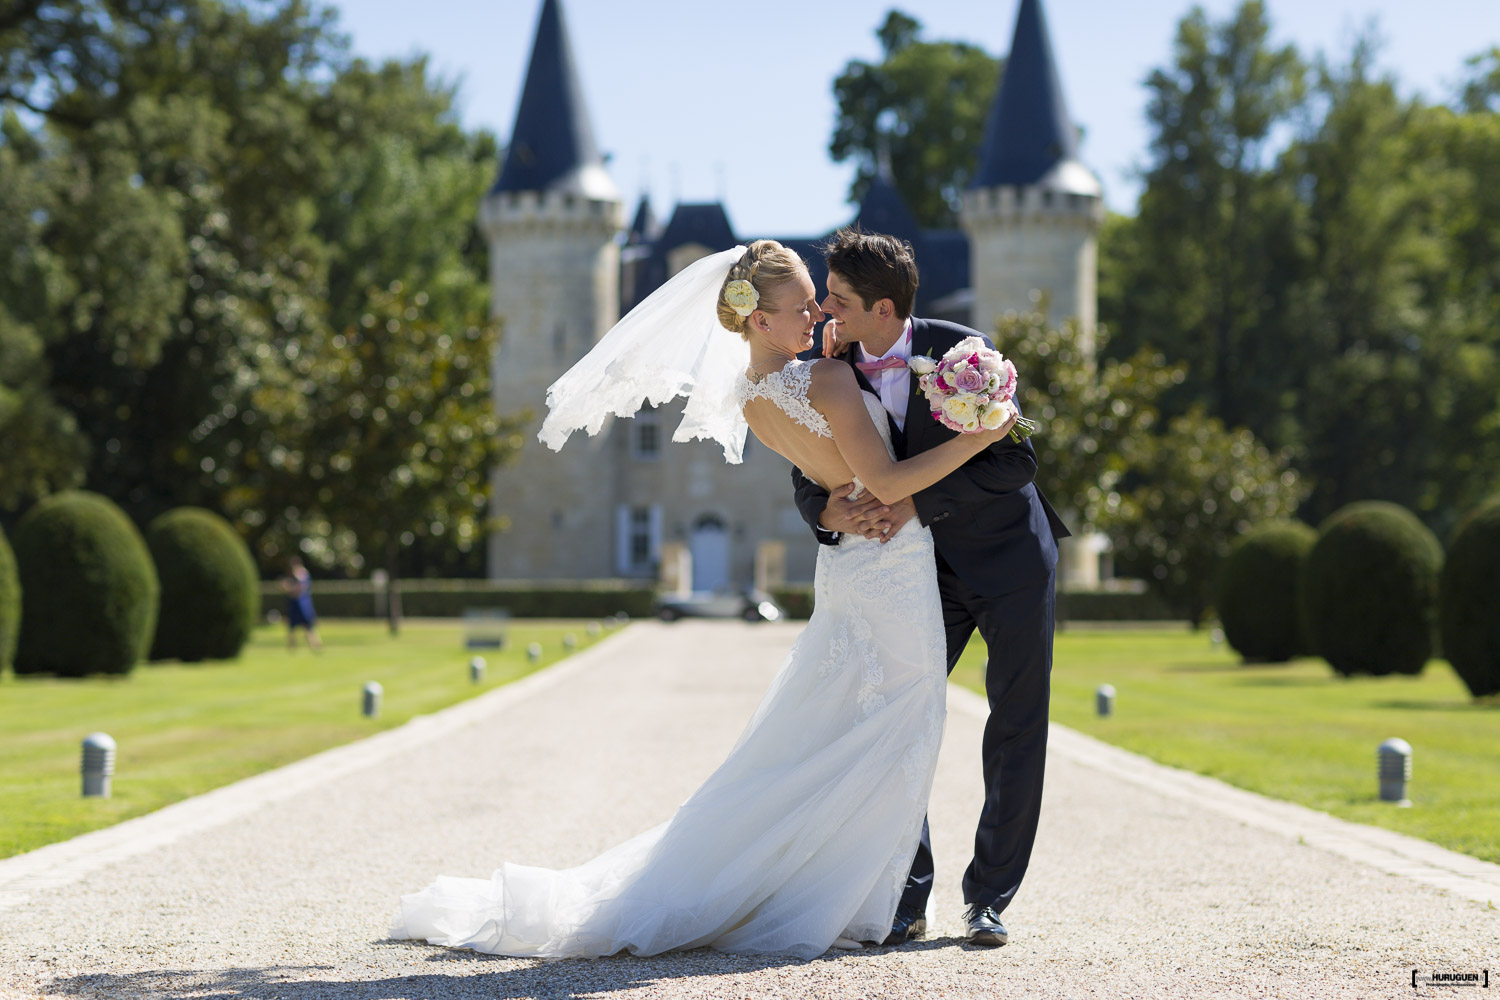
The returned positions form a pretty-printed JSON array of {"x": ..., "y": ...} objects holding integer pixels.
[{"x": 1017, "y": 627}]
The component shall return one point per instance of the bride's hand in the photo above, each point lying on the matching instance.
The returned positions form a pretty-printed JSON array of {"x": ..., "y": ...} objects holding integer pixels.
[
  {"x": 831, "y": 345},
  {"x": 987, "y": 438}
]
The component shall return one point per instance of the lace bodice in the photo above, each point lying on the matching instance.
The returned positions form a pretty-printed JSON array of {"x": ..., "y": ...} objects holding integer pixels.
[{"x": 787, "y": 388}]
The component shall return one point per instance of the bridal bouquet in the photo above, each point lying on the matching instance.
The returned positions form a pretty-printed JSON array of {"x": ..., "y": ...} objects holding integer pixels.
[{"x": 970, "y": 388}]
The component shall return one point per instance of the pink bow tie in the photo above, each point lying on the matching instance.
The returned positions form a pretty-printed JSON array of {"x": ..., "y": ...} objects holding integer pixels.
[{"x": 885, "y": 364}]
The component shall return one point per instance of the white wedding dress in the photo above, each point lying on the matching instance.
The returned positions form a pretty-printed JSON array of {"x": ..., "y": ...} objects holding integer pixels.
[{"x": 806, "y": 832}]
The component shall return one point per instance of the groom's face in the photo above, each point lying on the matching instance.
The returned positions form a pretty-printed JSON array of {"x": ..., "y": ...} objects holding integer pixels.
[{"x": 856, "y": 322}]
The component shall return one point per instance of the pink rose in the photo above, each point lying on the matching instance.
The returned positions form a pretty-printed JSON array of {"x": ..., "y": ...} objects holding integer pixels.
[
  {"x": 1006, "y": 383},
  {"x": 971, "y": 380}
]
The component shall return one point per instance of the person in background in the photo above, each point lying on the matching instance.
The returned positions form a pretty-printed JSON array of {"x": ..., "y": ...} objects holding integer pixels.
[{"x": 299, "y": 606}]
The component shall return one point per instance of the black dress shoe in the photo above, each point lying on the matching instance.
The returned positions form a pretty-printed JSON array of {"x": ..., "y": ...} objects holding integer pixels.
[
  {"x": 908, "y": 926},
  {"x": 984, "y": 926}
]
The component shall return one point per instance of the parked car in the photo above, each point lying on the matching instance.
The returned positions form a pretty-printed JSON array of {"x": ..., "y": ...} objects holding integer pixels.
[{"x": 750, "y": 606}]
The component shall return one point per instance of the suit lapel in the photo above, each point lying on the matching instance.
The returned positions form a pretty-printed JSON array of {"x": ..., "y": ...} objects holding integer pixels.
[{"x": 918, "y": 413}]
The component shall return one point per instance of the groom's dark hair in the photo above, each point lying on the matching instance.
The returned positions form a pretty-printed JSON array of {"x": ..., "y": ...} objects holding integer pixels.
[{"x": 875, "y": 265}]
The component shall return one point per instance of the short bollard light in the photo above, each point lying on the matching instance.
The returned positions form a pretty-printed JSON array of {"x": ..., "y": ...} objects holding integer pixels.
[
  {"x": 1104, "y": 700},
  {"x": 373, "y": 693},
  {"x": 593, "y": 628},
  {"x": 534, "y": 652},
  {"x": 476, "y": 670},
  {"x": 570, "y": 641},
  {"x": 1394, "y": 769},
  {"x": 98, "y": 764}
]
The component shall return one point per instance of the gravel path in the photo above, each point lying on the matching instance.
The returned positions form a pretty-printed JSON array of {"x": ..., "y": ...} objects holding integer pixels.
[{"x": 1145, "y": 883}]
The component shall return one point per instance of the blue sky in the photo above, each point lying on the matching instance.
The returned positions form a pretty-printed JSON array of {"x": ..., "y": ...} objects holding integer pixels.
[{"x": 697, "y": 101}]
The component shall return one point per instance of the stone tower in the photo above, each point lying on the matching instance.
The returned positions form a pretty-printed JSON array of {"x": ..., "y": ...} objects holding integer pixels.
[
  {"x": 551, "y": 221},
  {"x": 1032, "y": 217},
  {"x": 1033, "y": 212}
]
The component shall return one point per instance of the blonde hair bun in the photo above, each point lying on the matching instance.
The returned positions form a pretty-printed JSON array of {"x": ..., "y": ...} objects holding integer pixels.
[{"x": 764, "y": 265}]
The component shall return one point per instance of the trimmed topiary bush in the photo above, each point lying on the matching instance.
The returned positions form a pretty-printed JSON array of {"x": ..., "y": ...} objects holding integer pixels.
[
  {"x": 1369, "y": 590},
  {"x": 210, "y": 590},
  {"x": 1470, "y": 600},
  {"x": 1257, "y": 592},
  {"x": 10, "y": 603},
  {"x": 89, "y": 585}
]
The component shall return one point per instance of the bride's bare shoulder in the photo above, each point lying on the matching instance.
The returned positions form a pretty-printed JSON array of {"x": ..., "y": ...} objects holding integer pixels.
[{"x": 829, "y": 376}]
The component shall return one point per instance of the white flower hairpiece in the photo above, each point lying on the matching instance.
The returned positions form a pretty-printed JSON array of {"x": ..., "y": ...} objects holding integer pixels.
[{"x": 741, "y": 296}]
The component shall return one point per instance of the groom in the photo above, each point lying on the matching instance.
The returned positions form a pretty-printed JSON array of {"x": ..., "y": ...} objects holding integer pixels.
[{"x": 996, "y": 540}]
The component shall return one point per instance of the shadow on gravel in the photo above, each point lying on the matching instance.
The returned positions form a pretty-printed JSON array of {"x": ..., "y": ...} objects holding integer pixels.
[{"x": 473, "y": 975}]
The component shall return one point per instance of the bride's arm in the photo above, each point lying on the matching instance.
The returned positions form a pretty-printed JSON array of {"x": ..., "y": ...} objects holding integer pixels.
[{"x": 836, "y": 395}]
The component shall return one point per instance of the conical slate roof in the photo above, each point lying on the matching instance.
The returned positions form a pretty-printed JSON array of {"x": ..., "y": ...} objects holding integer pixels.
[
  {"x": 1029, "y": 137},
  {"x": 552, "y": 144},
  {"x": 644, "y": 228}
]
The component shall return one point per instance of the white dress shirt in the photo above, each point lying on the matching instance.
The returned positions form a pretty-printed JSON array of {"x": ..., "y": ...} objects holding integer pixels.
[{"x": 893, "y": 384}]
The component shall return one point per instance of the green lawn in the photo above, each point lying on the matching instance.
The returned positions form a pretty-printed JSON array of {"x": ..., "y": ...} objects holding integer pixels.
[
  {"x": 183, "y": 730},
  {"x": 1295, "y": 731}
]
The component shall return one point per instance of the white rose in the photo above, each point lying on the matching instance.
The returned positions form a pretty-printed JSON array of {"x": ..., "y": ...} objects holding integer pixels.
[
  {"x": 970, "y": 426},
  {"x": 961, "y": 408},
  {"x": 741, "y": 296},
  {"x": 959, "y": 366},
  {"x": 994, "y": 416},
  {"x": 922, "y": 364}
]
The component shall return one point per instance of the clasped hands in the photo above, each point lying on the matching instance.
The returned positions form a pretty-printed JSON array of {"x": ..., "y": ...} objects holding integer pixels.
[{"x": 865, "y": 515}]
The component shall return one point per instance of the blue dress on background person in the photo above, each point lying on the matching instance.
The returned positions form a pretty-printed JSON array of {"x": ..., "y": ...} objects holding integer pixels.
[{"x": 299, "y": 605}]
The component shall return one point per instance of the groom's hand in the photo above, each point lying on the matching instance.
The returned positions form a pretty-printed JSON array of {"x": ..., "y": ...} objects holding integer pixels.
[
  {"x": 852, "y": 517},
  {"x": 898, "y": 514}
]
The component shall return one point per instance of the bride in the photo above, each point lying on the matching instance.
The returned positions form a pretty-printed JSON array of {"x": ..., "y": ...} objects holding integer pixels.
[{"x": 802, "y": 839}]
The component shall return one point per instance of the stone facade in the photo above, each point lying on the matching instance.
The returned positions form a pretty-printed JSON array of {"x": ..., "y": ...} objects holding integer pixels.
[
  {"x": 554, "y": 271},
  {"x": 1029, "y": 243}
]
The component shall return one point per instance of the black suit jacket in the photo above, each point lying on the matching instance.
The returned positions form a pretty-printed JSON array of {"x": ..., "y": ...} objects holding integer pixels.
[{"x": 990, "y": 523}]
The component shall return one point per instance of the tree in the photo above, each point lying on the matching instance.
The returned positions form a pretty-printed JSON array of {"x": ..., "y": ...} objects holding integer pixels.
[
  {"x": 1095, "y": 416},
  {"x": 49, "y": 48},
  {"x": 396, "y": 207},
  {"x": 42, "y": 448},
  {"x": 1215, "y": 231},
  {"x": 923, "y": 106},
  {"x": 395, "y": 435},
  {"x": 168, "y": 121},
  {"x": 1398, "y": 320},
  {"x": 1170, "y": 498},
  {"x": 1191, "y": 492},
  {"x": 207, "y": 195},
  {"x": 1481, "y": 91}
]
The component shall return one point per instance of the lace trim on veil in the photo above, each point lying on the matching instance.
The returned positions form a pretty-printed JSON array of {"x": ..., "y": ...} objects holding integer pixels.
[{"x": 669, "y": 345}]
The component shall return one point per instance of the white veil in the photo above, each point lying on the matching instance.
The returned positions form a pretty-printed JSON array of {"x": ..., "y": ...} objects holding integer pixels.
[{"x": 669, "y": 345}]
